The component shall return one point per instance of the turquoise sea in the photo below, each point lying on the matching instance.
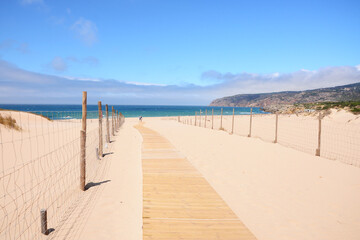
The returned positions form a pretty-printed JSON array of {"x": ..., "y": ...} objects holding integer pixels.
[{"x": 72, "y": 111}]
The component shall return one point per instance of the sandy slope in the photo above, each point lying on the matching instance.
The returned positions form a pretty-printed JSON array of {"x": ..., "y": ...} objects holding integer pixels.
[
  {"x": 118, "y": 211},
  {"x": 278, "y": 192}
]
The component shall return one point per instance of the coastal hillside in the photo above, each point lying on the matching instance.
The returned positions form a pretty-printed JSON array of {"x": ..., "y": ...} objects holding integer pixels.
[{"x": 350, "y": 92}]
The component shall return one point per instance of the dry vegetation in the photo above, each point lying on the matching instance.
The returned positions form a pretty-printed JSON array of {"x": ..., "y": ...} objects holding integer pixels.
[{"x": 9, "y": 122}]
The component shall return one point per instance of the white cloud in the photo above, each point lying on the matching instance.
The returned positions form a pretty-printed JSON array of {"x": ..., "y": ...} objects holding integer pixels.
[
  {"x": 83, "y": 79},
  {"x": 20, "y": 86},
  {"x": 232, "y": 84},
  {"x": 85, "y": 30},
  {"x": 59, "y": 64},
  {"x": 146, "y": 84}
]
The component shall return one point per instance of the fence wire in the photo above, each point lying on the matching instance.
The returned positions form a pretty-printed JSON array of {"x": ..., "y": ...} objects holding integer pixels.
[
  {"x": 338, "y": 140},
  {"x": 39, "y": 157}
]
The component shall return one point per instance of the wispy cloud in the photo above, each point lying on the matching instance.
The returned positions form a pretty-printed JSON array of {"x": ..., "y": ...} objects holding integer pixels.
[
  {"x": 59, "y": 64},
  {"x": 92, "y": 61},
  {"x": 10, "y": 44},
  {"x": 20, "y": 86},
  {"x": 23, "y": 48},
  {"x": 85, "y": 30}
]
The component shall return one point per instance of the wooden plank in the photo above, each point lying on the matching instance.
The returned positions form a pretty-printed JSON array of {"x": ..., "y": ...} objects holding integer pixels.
[{"x": 178, "y": 203}]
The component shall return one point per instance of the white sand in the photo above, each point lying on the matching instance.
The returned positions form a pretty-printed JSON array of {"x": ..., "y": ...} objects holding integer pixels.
[
  {"x": 39, "y": 168},
  {"x": 278, "y": 192},
  {"x": 118, "y": 211}
]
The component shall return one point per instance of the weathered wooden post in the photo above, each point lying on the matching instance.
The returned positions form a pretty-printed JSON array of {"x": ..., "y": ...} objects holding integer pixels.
[
  {"x": 250, "y": 123},
  {"x": 107, "y": 124},
  {"x": 83, "y": 142},
  {"x": 200, "y": 118},
  {"x": 195, "y": 118},
  {"x": 221, "y": 119},
  {"x": 276, "y": 127},
  {"x": 112, "y": 121},
  {"x": 117, "y": 121},
  {"x": 212, "y": 119},
  {"x": 100, "y": 131},
  {"x": 232, "y": 127},
  {"x": 317, "y": 153},
  {"x": 178, "y": 118},
  {"x": 43, "y": 221},
  {"x": 205, "y": 117}
]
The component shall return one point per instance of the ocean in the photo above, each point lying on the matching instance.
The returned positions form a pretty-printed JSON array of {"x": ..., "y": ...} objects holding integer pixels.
[{"x": 72, "y": 111}]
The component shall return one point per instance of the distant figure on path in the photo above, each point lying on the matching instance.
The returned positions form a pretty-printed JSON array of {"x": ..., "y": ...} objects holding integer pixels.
[{"x": 140, "y": 118}]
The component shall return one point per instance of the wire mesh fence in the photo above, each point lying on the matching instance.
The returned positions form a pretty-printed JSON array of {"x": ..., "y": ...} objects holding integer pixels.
[
  {"x": 39, "y": 157},
  {"x": 329, "y": 139}
]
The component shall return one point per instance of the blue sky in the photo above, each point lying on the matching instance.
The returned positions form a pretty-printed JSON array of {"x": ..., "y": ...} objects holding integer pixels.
[{"x": 174, "y": 52}]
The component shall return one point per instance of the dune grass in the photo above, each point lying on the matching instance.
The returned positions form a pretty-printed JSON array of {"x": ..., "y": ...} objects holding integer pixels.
[
  {"x": 351, "y": 106},
  {"x": 9, "y": 122},
  {"x": 37, "y": 114}
]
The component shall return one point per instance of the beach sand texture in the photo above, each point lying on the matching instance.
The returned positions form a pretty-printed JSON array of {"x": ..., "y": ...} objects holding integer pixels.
[
  {"x": 40, "y": 169},
  {"x": 278, "y": 192},
  {"x": 339, "y": 136}
]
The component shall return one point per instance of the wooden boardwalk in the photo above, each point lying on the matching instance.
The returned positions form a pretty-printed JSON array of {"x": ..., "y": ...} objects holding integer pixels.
[{"x": 178, "y": 203}]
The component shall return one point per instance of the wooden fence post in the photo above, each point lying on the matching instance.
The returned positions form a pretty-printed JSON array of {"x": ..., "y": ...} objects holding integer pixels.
[
  {"x": 250, "y": 123},
  {"x": 100, "y": 131},
  {"x": 112, "y": 121},
  {"x": 232, "y": 128},
  {"x": 212, "y": 119},
  {"x": 200, "y": 118},
  {"x": 117, "y": 121},
  {"x": 178, "y": 118},
  {"x": 195, "y": 118},
  {"x": 43, "y": 221},
  {"x": 83, "y": 143},
  {"x": 107, "y": 124},
  {"x": 221, "y": 119},
  {"x": 317, "y": 153},
  {"x": 205, "y": 117},
  {"x": 276, "y": 127}
]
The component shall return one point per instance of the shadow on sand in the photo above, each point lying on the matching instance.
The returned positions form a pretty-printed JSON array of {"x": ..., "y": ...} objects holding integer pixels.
[{"x": 92, "y": 184}]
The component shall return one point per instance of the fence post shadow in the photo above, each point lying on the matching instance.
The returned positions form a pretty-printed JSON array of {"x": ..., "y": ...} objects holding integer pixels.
[{"x": 92, "y": 184}]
